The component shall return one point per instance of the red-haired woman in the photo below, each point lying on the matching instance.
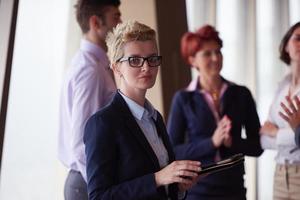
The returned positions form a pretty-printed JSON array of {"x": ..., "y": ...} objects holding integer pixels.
[{"x": 207, "y": 118}]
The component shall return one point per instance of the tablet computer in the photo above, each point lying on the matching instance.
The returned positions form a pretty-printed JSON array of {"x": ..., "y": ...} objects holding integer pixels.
[{"x": 232, "y": 161}]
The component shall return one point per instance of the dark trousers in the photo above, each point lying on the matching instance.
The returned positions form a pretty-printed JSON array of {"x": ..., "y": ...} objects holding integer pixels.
[
  {"x": 75, "y": 187},
  {"x": 203, "y": 197}
]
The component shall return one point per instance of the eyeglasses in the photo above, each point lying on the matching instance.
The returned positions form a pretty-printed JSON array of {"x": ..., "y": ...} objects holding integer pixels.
[{"x": 137, "y": 61}]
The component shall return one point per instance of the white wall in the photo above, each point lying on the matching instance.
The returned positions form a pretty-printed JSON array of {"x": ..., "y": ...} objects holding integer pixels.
[{"x": 30, "y": 169}]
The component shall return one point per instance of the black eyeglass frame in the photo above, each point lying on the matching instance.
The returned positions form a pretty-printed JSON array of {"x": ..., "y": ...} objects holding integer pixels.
[{"x": 142, "y": 63}]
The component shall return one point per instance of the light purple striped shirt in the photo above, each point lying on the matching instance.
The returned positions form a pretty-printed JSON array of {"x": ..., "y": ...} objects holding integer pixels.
[{"x": 87, "y": 87}]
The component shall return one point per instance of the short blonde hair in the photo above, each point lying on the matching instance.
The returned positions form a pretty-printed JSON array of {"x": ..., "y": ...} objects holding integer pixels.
[{"x": 127, "y": 32}]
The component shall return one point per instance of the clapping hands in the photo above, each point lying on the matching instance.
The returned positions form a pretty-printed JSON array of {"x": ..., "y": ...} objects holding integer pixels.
[
  {"x": 222, "y": 133},
  {"x": 291, "y": 111}
]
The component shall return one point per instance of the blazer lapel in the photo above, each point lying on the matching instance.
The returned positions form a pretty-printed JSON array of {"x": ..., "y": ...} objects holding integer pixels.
[
  {"x": 200, "y": 106},
  {"x": 134, "y": 128},
  {"x": 228, "y": 98},
  {"x": 162, "y": 132}
]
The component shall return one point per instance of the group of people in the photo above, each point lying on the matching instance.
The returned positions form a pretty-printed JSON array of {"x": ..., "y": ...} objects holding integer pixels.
[{"x": 115, "y": 143}]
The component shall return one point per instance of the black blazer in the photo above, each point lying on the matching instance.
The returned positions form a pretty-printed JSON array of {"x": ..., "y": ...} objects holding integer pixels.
[
  {"x": 120, "y": 161},
  {"x": 191, "y": 125}
]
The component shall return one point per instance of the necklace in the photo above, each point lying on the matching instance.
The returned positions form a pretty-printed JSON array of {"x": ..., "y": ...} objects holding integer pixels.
[
  {"x": 214, "y": 92},
  {"x": 216, "y": 101},
  {"x": 215, "y": 95}
]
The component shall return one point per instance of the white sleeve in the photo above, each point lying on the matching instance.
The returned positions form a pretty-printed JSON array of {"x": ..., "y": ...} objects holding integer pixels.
[
  {"x": 285, "y": 137},
  {"x": 268, "y": 142}
]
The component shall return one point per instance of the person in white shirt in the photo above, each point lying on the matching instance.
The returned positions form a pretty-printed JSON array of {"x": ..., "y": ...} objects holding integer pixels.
[
  {"x": 88, "y": 86},
  {"x": 276, "y": 133}
]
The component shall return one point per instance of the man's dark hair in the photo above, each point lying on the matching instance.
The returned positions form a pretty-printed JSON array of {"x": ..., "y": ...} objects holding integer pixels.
[{"x": 87, "y": 8}]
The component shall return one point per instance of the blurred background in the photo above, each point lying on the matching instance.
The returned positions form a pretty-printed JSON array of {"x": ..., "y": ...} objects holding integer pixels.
[{"x": 38, "y": 39}]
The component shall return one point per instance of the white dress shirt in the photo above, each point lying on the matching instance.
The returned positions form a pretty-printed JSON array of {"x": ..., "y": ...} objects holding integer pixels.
[
  {"x": 88, "y": 86},
  {"x": 144, "y": 116},
  {"x": 284, "y": 142}
]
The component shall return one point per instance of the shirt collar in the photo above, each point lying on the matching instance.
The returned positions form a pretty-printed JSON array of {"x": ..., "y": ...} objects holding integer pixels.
[
  {"x": 287, "y": 80},
  {"x": 139, "y": 111},
  {"x": 195, "y": 86},
  {"x": 94, "y": 49}
]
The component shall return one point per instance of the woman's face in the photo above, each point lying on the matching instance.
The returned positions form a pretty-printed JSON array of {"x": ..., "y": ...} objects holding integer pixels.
[
  {"x": 138, "y": 78},
  {"x": 208, "y": 61},
  {"x": 293, "y": 46}
]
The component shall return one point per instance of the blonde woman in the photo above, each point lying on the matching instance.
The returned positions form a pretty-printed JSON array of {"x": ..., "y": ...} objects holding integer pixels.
[{"x": 129, "y": 155}]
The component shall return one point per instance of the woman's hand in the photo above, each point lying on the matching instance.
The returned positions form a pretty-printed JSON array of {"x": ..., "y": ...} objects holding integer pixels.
[
  {"x": 291, "y": 111},
  {"x": 183, "y": 172},
  {"x": 227, "y": 140},
  {"x": 185, "y": 186},
  {"x": 222, "y": 132},
  {"x": 269, "y": 129}
]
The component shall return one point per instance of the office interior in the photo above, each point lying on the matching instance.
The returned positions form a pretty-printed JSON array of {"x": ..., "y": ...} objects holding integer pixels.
[{"x": 39, "y": 38}]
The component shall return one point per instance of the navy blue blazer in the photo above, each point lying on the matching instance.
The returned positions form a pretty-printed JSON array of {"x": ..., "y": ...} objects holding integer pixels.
[
  {"x": 120, "y": 161},
  {"x": 191, "y": 125}
]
